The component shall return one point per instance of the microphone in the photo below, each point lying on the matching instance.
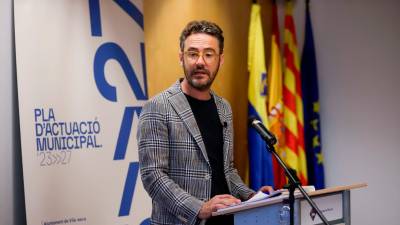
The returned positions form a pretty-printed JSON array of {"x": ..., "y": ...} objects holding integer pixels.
[
  {"x": 224, "y": 124},
  {"x": 262, "y": 131}
]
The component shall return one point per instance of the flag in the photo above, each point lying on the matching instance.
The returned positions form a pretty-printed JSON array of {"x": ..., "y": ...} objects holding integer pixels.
[
  {"x": 274, "y": 101},
  {"x": 312, "y": 131},
  {"x": 292, "y": 99},
  {"x": 260, "y": 160}
]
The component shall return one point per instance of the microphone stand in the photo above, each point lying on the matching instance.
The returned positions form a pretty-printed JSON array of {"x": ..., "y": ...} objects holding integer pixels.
[
  {"x": 293, "y": 184},
  {"x": 292, "y": 188}
]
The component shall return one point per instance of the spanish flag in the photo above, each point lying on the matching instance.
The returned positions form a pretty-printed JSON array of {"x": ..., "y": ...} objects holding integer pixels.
[
  {"x": 274, "y": 101},
  {"x": 292, "y": 100},
  {"x": 260, "y": 159}
]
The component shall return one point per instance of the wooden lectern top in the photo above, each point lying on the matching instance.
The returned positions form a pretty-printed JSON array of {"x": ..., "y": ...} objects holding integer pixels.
[
  {"x": 336, "y": 189},
  {"x": 245, "y": 206}
]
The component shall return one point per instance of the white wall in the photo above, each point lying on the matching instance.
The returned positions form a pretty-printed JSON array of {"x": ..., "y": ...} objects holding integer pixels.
[
  {"x": 6, "y": 161},
  {"x": 12, "y": 209},
  {"x": 358, "y": 48}
]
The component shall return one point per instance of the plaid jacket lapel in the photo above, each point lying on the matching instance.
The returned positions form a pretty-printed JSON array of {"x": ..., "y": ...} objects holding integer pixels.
[
  {"x": 182, "y": 108},
  {"x": 225, "y": 123}
]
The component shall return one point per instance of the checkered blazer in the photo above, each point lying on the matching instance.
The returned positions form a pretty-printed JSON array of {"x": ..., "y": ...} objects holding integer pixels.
[{"x": 174, "y": 166}]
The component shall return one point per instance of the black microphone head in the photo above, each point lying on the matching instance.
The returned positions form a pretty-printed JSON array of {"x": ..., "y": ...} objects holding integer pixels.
[
  {"x": 262, "y": 130},
  {"x": 251, "y": 120}
]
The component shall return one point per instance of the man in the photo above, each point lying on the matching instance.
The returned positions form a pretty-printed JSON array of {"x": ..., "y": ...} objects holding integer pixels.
[{"x": 185, "y": 138}]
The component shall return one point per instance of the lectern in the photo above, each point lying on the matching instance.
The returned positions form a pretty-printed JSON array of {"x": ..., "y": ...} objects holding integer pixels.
[{"x": 334, "y": 202}]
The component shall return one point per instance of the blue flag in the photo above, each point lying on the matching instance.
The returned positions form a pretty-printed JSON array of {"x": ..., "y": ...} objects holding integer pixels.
[
  {"x": 260, "y": 164},
  {"x": 312, "y": 131}
]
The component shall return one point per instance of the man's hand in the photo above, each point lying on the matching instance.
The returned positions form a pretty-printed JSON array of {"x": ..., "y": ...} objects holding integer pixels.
[
  {"x": 217, "y": 202},
  {"x": 265, "y": 189}
]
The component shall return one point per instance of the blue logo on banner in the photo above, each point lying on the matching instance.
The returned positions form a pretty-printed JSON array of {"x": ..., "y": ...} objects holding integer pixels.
[
  {"x": 55, "y": 135},
  {"x": 112, "y": 51}
]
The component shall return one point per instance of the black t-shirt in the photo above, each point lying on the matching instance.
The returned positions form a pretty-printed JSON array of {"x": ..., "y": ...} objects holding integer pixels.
[{"x": 211, "y": 129}]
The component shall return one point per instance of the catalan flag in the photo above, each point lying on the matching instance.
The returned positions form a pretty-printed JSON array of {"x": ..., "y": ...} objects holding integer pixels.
[
  {"x": 274, "y": 101},
  {"x": 260, "y": 159},
  {"x": 312, "y": 131},
  {"x": 292, "y": 100}
]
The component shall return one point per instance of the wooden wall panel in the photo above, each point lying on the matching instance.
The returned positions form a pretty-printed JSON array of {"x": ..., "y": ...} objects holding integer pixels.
[{"x": 163, "y": 22}]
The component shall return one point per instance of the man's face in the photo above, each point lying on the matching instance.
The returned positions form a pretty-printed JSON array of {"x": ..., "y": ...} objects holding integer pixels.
[{"x": 201, "y": 60}]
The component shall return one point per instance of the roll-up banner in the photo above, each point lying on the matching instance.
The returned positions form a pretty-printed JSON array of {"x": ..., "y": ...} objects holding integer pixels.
[{"x": 81, "y": 85}]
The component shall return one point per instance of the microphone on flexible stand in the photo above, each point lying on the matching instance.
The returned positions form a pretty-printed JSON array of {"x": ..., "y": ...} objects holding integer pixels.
[{"x": 270, "y": 140}]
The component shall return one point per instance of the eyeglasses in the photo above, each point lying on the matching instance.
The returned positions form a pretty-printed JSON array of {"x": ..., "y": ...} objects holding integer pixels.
[{"x": 209, "y": 56}]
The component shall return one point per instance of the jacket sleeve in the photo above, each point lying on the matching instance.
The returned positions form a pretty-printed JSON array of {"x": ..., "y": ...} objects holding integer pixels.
[
  {"x": 238, "y": 188},
  {"x": 154, "y": 147}
]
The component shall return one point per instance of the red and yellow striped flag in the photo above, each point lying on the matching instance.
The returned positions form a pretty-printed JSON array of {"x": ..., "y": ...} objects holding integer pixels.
[
  {"x": 274, "y": 100},
  {"x": 292, "y": 99}
]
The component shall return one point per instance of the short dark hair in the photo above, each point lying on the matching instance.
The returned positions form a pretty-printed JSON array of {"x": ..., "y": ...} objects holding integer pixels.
[{"x": 205, "y": 27}]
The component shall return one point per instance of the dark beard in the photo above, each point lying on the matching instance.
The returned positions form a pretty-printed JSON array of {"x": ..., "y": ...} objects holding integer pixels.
[{"x": 200, "y": 69}]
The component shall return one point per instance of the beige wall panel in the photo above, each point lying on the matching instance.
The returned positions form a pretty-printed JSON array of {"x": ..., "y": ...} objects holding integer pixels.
[{"x": 163, "y": 22}]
